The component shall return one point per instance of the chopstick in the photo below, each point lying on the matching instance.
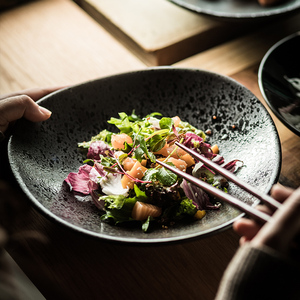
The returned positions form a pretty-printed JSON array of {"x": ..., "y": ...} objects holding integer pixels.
[
  {"x": 230, "y": 176},
  {"x": 249, "y": 210}
]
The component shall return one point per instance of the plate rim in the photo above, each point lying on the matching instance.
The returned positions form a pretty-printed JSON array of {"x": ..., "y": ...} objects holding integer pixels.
[
  {"x": 46, "y": 212},
  {"x": 239, "y": 16},
  {"x": 260, "y": 79}
]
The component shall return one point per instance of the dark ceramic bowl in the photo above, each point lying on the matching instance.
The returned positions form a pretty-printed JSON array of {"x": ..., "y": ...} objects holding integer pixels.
[
  {"x": 239, "y": 10},
  {"x": 279, "y": 80},
  {"x": 42, "y": 154}
]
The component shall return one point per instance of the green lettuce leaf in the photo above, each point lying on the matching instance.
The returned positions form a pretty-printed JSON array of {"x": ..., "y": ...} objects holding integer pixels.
[
  {"x": 143, "y": 149},
  {"x": 166, "y": 123},
  {"x": 146, "y": 224},
  {"x": 162, "y": 175},
  {"x": 119, "y": 208}
]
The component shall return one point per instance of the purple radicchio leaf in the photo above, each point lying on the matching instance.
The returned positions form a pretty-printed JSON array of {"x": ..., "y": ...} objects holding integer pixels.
[
  {"x": 195, "y": 142},
  {"x": 96, "y": 173},
  {"x": 98, "y": 148},
  {"x": 95, "y": 197},
  {"x": 100, "y": 169},
  {"x": 79, "y": 181},
  {"x": 205, "y": 149},
  {"x": 199, "y": 197},
  {"x": 218, "y": 159},
  {"x": 233, "y": 165},
  {"x": 86, "y": 179},
  {"x": 94, "y": 178},
  {"x": 192, "y": 140}
]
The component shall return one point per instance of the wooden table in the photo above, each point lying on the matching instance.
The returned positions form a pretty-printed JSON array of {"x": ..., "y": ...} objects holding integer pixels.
[{"x": 55, "y": 42}]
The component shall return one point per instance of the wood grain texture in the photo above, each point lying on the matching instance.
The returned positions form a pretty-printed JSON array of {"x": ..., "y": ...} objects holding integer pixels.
[
  {"x": 72, "y": 266},
  {"x": 53, "y": 42},
  {"x": 241, "y": 53},
  {"x": 56, "y": 43},
  {"x": 158, "y": 31}
]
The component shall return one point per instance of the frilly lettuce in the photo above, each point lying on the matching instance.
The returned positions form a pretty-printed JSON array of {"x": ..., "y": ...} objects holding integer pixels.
[
  {"x": 111, "y": 185},
  {"x": 101, "y": 175}
]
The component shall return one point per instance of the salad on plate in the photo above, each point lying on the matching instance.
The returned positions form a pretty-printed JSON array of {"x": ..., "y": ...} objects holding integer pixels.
[{"x": 126, "y": 183}]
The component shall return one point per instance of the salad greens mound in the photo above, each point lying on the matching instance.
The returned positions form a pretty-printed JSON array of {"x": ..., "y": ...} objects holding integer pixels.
[{"x": 128, "y": 185}]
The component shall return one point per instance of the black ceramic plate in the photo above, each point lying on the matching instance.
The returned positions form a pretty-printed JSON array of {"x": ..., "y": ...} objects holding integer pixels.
[
  {"x": 41, "y": 155},
  {"x": 279, "y": 80},
  {"x": 239, "y": 9}
]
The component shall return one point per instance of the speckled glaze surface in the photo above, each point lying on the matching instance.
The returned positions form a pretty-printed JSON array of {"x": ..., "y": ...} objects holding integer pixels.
[
  {"x": 279, "y": 80},
  {"x": 239, "y": 10},
  {"x": 42, "y": 154}
]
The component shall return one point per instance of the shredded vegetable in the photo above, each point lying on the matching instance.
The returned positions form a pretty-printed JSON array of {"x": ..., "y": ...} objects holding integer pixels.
[{"x": 121, "y": 174}]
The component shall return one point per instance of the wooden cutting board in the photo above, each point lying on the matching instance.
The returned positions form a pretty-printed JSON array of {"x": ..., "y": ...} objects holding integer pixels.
[{"x": 158, "y": 31}]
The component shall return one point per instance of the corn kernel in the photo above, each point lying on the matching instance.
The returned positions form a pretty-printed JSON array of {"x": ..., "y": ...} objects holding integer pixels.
[{"x": 200, "y": 214}]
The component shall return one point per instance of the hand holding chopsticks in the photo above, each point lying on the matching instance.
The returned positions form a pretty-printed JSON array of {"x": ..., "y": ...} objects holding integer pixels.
[{"x": 251, "y": 211}]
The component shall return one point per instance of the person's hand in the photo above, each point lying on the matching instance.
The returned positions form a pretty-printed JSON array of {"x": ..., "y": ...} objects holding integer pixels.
[
  {"x": 282, "y": 229},
  {"x": 13, "y": 107},
  {"x": 22, "y": 104}
]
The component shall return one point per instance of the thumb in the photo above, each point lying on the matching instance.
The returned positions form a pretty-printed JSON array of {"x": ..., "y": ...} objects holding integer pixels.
[{"x": 14, "y": 108}]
